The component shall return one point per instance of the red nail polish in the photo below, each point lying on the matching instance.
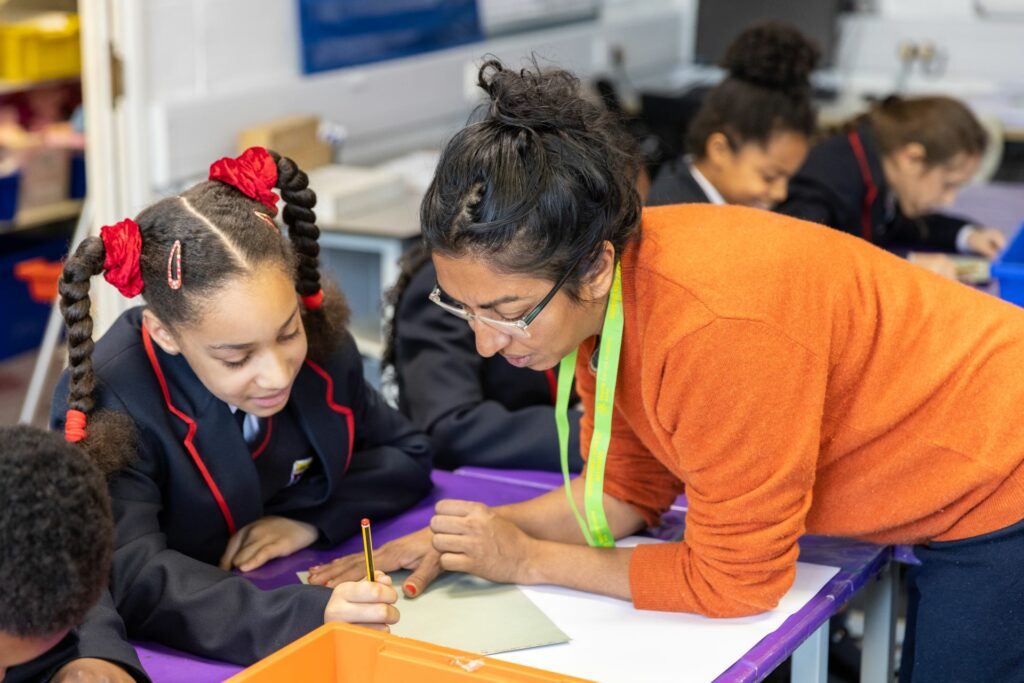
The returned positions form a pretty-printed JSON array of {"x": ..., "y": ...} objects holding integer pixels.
[{"x": 410, "y": 589}]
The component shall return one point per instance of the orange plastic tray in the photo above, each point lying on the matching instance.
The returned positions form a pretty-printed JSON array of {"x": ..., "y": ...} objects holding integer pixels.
[{"x": 343, "y": 653}]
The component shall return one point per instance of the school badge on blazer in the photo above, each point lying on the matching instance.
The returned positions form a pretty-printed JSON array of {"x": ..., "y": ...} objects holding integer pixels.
[{"x": 299, "y": 468}]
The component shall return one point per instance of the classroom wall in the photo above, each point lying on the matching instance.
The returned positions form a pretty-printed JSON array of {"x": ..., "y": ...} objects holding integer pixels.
[
  {"x": 982, "y": 50},
  {"x": 214, "y": 66}
]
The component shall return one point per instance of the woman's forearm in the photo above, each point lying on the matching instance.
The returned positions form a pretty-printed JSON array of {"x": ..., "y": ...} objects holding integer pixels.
[
  {"x": 548, "y": 517},
  {"x": 594, "y": 570}
]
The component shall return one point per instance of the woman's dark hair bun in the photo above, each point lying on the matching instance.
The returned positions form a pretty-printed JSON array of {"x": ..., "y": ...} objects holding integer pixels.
[
  {"x": 532, "y": 98},
  {"x": 772, "y": 55}
]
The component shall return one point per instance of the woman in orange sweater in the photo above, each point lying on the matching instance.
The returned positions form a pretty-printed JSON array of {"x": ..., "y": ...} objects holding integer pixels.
[{"x": 795, "y": 379}]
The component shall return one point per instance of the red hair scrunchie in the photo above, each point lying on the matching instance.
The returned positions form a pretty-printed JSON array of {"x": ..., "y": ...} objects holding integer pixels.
[
  {"x": 74, "y": 426},
  {"x": 122, "y": 243},
  {"x": 253, "y": 173},
  {"x": 314, "y": 301}
]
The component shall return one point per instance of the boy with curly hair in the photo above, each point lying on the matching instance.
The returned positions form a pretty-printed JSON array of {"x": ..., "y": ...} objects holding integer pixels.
[{"x": 56, "y": 535}]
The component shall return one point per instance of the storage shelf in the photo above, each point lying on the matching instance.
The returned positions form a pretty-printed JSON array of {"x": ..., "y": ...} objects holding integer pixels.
[
  {"x": 7, "y": 87},
  {"x": 40, "y": 215}
]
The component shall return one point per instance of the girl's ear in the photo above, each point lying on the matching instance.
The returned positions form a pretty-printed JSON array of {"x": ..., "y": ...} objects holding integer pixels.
[
  {"x": 717, "y": 149},
  {"x": 160, "y": 333},
  {"x": 599, "y": 280}
]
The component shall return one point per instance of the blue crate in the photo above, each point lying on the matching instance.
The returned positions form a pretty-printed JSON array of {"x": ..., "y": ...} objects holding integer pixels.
[
  {"x": 22, "y": 320},
  {"x": 9, "y": 185},
  {"x": 1008, "y": 269},
  {"x": 76, "y": 188}
]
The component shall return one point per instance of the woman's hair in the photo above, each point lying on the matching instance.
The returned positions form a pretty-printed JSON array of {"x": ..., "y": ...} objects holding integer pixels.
[
  {"x": 56, "y": 532},
  {"x": 766, "y": 90},
  {"x": 942, "y": 125},
  {"x": 223, "y": 234},
  {"x": 537, "y": 182}
]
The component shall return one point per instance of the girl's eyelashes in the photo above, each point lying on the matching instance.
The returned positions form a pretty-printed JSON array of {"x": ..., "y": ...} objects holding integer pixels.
[{"x": 234, "y": 364}]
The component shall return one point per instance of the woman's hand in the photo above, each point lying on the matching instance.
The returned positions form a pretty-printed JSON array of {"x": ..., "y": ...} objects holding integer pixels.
[
  {"x": 364, "y": 603},
  {"x": 413, "y": 551},
  {"x": 89, "y": 670},
  {"x": 473, "y": 538},
  {"x": 255, "y": 544}
]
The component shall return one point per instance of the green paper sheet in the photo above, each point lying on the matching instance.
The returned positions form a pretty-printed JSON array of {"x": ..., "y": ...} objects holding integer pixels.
[{"x": 468, "y": 613}]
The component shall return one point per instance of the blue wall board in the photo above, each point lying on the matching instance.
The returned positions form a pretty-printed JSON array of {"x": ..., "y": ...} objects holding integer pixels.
[{"x": 341, "y": 33}]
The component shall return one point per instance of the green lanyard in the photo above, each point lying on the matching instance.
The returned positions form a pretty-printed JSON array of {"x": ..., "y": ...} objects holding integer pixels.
[{"x": 595, "y": 527}]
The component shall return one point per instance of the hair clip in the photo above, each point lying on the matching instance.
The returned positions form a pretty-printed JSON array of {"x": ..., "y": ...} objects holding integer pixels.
[
  {"x": 266, "y": 219},
  {"x": 174, "y": 266}
]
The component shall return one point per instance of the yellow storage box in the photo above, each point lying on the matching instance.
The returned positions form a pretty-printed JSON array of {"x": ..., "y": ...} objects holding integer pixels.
[{"x": 39, "y": 46}]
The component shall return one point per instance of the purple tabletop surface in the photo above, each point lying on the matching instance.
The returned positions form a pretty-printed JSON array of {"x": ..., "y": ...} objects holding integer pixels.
[{"x": 858, "y": 562}]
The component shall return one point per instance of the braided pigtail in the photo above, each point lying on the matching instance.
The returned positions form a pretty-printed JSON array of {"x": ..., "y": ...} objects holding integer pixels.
[
  {"x": 326, "y": 311},
  {"x": 108, "y": 437}
]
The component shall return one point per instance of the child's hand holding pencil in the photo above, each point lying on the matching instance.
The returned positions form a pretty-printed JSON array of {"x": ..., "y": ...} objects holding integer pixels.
[{"x": 367, "y": 603}]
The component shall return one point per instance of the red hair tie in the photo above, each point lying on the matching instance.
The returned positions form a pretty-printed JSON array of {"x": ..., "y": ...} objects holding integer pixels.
[
  {"x": 123, "y": 245},
  {"x": 253, "y": 173},
  {"x": 314, "y": 301},
  {"x": 74, "y": 426}
]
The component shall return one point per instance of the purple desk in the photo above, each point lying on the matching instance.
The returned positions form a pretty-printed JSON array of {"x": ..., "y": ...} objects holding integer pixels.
[
  {"x": 858, "y": 563},
  {"x": 805, "y": 634}
]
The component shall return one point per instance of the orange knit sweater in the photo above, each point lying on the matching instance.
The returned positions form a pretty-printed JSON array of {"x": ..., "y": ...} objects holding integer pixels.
[{"x": 799, "y": 380}]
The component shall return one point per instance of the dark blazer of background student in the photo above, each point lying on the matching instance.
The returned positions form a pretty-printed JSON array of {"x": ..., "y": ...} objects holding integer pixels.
[
  {"x": 172, "y": 522},
  {"x": 675, "y": 184},
  {"x": 478, "y": 411}
]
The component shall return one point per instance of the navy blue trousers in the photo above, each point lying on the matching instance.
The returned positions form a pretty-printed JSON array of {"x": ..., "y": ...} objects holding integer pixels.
[{"x": 965, "y": 610}]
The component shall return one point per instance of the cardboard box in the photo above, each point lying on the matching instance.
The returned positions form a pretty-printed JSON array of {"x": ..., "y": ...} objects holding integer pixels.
[{"x": 295, "y": 137}]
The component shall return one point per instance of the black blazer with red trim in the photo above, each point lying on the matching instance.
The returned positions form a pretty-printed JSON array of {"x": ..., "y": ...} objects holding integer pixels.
[
  {"x": 177, "y": 505},
  {"x": 830, "y": 189},
  {"x": 478, "y": 411}
]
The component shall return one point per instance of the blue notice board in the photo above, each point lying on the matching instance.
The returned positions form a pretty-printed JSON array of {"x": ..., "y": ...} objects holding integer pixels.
[{"x": 341, "y": 33}]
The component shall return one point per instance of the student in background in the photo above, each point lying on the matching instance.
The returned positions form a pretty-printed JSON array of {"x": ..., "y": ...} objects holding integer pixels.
[
  {"x": 56, "y": 538},
  {"x": 855, "y": 395},
  {"x": 234, "y": 412},
  {"x": 487, "y": 412},
  {"x": 752, "y": 130},
  {"x": 887, "y": 174}
]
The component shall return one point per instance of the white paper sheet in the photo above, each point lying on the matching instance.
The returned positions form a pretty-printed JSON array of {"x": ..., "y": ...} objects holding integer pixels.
[{"x": 612, "y": 641}]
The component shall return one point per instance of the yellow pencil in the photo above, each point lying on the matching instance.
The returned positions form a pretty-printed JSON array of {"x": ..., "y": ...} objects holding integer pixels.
[{"x": 368, "y": 550}]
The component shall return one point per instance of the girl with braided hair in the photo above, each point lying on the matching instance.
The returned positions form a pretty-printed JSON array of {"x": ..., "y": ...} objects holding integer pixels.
[{"x": 230, "y": 413}]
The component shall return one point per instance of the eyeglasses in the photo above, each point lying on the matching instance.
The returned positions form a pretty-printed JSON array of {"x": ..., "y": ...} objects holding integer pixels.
[{"x": 515, "y": 328}]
